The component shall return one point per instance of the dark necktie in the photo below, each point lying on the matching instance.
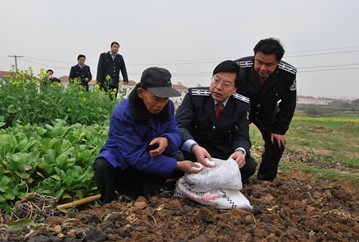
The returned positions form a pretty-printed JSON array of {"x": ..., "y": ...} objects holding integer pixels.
[
  {"x": 262, "y": 81},
  {"x": 219, "y": 109}
]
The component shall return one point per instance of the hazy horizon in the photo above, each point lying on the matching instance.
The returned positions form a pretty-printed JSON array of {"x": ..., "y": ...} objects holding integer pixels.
[{"x": 189, "y": 38}]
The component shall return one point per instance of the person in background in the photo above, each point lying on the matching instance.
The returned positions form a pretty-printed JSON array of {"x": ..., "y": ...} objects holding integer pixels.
[
  {"x": 214, "y": 121},
  {"x": 81, "y": 71},
  {"x": 52, "y": 79},
  {"x": 270, "y": 84},
  {"x": 108, "y": 70},
  {"x": 142, "y": 148}
]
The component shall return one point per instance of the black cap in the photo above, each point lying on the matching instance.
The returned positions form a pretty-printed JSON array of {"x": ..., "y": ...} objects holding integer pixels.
[{"x": 158, "y": 81}]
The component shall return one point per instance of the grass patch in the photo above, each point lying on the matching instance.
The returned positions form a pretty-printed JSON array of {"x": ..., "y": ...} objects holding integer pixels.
[
  {"x": 328, "y": 146},
  {"x": 330, "y": 174}
]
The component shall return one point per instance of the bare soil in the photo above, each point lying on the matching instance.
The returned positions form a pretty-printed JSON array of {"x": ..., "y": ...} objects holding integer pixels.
[{"x": 294, "y": 207}]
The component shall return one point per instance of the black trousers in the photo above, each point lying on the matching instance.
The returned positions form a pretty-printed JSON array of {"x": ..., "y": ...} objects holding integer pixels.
[
  {"x": 129, "y": 182},
  {"x": 272, "y": 153},
  {"x": 85, "y": 85},
  {"x": 246, "y": 171}
]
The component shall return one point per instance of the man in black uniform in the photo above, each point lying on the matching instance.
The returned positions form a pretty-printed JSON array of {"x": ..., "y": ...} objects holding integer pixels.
[
  {"x": 81, "y": 71},
  {"x": 270, "y": 85},
  {"x": 108, "y": 69},
  {"x": 51, "y": 78},
  {"x": 214, "y": 121}
]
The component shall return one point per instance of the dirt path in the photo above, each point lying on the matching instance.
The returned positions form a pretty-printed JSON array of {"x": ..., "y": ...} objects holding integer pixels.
[{"x": 295, "y": 207}]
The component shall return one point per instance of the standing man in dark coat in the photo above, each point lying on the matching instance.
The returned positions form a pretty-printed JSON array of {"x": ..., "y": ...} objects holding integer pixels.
[
  {"x": 270, "y": 84},
  {"x": 214, "y": 121},
  {"x": 108, "y": 70},
  {"x": 81, "y": 71}
]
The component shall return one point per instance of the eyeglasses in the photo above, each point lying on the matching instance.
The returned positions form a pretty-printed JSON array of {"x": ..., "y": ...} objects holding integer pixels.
[{"x": 225, "y": 84}]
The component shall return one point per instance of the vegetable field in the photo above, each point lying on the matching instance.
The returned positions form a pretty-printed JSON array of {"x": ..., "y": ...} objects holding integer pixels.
[{"x": 50, "y": 136}]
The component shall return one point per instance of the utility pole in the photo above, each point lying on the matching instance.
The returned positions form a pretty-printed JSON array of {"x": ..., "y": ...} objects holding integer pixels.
[{"x": 15, "y": 56}]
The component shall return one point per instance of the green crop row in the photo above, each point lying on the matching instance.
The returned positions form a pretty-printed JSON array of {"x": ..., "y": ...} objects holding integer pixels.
[
  {"x": 55, "y": 160},
  {"x": 26, "y": 98}
]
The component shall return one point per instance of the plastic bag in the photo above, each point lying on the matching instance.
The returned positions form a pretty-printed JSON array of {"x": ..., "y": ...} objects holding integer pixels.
[
  {"x": 218, "y": 186},
  {"x": 221, "y": 198},
  {"x": 225, "y": 175}
]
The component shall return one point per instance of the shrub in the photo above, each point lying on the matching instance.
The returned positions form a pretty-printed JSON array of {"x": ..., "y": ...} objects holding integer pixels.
[{"x": 27, "y": 99}]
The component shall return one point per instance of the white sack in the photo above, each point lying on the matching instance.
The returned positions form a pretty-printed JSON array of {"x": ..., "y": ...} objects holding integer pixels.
[
  {"x": 221, "y": 198},
  {"x": 225, "y": 175}
]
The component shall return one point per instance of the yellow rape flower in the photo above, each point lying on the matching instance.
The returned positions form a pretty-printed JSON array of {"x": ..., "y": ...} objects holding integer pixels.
[
  {"x": 43, "y": 74},
  {"x": 113, "y": 92}
]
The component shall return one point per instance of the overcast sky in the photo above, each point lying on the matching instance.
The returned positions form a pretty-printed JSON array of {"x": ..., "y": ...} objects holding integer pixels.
[{"x": 188, "y": 37}]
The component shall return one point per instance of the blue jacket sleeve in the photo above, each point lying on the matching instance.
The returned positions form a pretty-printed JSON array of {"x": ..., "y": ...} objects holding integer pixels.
[{"x": 133, "y": 147}]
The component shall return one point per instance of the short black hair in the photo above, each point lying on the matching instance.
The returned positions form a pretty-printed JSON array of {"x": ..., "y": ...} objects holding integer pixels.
[
  {"x": 227, "y": 66},
  {"x": 115, "y": 43},
  {"x": 270, "y": 46},
  {"x": 81, "y": 55},
  {"x": 49, "y": 70}
]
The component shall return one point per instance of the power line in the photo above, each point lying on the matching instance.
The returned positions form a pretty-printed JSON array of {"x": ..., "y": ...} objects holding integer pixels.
[
  {"x": 31, "y": 58},
  {"x": 329, "y": 53},
  {"x": 334, "y": 69},
  {"x": 42, "y": 64},
  {"x": 186, "y": 62},
  {"x": 319, "y": 68},
  {"x": 313, "y": 67},
  {"x": 214, "y": 60},
  {"x": 338, "y": 48}
]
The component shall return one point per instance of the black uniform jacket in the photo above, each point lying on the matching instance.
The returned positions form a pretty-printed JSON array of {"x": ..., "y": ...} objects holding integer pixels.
[
  {"x": 108, "y": 66},
  {"x": 275, "y": 102},
  {"x": 196, "y": 120},
  {"x": 82, "y": 73}
]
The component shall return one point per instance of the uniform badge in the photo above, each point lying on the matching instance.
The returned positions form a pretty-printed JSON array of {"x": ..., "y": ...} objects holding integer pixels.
[
  {"x": 200, "y": 92},
  {"x": 241, "y": 97}
]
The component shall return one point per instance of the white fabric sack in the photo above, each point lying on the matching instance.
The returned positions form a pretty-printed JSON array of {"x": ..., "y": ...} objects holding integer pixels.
[
  {"x": 221, "y": 198},
  {"x": 225, "y": 175}
]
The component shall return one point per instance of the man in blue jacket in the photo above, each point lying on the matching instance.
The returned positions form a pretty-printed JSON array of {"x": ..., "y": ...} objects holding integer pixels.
[{"x": 143, "y": 140}]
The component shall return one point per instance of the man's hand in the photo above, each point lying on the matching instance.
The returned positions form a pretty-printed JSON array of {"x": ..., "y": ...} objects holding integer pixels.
[
  {"x": 239, "y": 157},
  {"x": 201, "y": 153},
  {"x": 280, "y": 139},
  {"x": 188, "y": 167},
  {"x": 162, "y": 143}
]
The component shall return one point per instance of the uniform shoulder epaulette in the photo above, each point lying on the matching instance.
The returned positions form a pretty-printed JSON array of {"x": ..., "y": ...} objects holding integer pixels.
[
  {"x": 241, "y": 97},
  {"x": 199, "y": 91},
  {"x": 287, "y": 67},
  {"x": 245, "y": 63}
]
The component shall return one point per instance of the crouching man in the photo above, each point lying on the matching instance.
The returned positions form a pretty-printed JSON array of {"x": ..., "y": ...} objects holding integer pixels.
[
  {"x": 214, "y": 121},
  {"x": 143, "y": 141}
]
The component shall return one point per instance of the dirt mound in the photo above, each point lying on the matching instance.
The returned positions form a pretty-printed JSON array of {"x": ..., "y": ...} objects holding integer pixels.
[{"x": 295, "y": 207}]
